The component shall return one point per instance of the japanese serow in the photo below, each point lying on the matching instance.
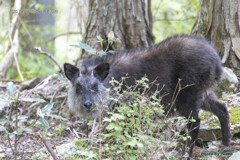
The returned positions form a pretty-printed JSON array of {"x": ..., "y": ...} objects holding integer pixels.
[{"x": 188, "y": 58}]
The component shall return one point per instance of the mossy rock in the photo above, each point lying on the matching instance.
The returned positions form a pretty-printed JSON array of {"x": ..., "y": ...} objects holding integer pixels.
[
  {"x": 234, "y": 115},
  {"x": 213, "y": 121},
  {"x": 210, "y": 125},
  {"x": 229, "y": 83}
]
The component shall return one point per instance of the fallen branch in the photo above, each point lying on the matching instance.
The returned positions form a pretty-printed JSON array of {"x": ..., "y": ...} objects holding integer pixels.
[
  {"x": 61, "y": 34},
  {"x": 47, "y": 145},
  {"x": 29, "y": 84},
  {"x": 49, "y": 98},
  {"x": 233, "y": 95},
  {"x": 10, "y": 145},
  {"x": 10, "y": 80},
  {"x": 50, "y": 56}
]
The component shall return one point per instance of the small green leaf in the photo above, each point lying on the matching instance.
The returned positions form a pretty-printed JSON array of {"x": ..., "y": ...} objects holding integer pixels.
[
  {"x": 90, "y": 122},
  {"x": 61, "y": 78},
  {"x": 100, "y": 40},
  {"x": 117, "y": 40},
  {"x": 44, "y": 123},
  {"x": 3, "y": 121},
  {"x": 2, "y": 96},
  {"x": 48, "y": 107},
  {"x": 11, "y": 88},
  {"x": 57, "y": 117},
  {"x": 111, "y": 37},
  {"x": 139, "y": 144},
  {"x": 85, "y": 47},
  {"x": 26, "y": 129},
  {"x": 112, "y": 52},
  {"x": 105, "y": 119},
  {"x": 75, "y": 46},
  {"x": 2, "y": 128},
  {"x": 94, "y": 108},
  {"x": 114, "y": 126},
  {"x": 101, "y": 53},
  {"x": 41, "y": 7},
  {"x": 111, "y": 126},
  {"x": 6, "y": 102},
  {"x": 2, "y": 155},
  {"x": 33, "y": 100},
  {"x": 22, "y": 117}
]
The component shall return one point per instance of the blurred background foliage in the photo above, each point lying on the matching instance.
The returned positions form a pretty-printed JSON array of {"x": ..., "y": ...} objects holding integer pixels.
[
  {"x": 170, "y": 17},
  {"x": 173, "y": 17}
]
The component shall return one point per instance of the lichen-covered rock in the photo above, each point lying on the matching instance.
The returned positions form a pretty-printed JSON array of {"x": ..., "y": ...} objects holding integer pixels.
[
  {"x": 229, "y": 83},
  {"x": 235, "y": 156},
  {"x": 210, "y": 134},
  {"x": 210, "y": 127}
]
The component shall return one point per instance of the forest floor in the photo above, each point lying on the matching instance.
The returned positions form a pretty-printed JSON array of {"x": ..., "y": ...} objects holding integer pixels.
[{"x": 24, "y": 138}]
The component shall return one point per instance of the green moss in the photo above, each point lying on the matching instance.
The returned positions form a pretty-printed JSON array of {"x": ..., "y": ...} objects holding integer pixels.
[
  {"x": 213, "y": 122},
  {"x": 234, "y": 115},
  {"x": 204, "y": 115},
  {"x": 237, "y": 72},
  {"x": 224, "y": 86}
]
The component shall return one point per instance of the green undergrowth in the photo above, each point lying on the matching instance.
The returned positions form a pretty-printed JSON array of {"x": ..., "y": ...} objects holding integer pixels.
[{"x": 136, "y": 129}]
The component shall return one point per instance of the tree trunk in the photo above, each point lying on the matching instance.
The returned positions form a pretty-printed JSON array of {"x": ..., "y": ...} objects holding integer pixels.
[
  {"x": 127, "y": 19},
  {"x": 219, "y": 22},
  {"x": 13, "y": 36}
]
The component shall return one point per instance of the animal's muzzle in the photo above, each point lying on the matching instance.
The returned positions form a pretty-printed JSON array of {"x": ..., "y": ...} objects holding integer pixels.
[{"x": 88, "y": 105}]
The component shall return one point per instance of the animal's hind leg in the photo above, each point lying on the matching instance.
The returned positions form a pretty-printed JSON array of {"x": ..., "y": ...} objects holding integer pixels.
[
  {"x": 212, "y": 104},
  {"x": 193, "y": 129},
  {"x": 190, "y": 110}
]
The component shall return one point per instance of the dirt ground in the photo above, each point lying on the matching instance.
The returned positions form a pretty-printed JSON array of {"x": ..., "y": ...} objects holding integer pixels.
[{"x": 34, "y": 145}]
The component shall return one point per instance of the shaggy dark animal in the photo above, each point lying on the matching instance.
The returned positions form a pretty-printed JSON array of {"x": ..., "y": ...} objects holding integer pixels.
[{"x": 185, "y": 61}]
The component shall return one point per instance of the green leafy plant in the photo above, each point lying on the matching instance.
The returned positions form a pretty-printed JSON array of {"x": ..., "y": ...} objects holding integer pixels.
[
  {"x": 14, "y": 127},
  {"x": 111, "y": 39},
  {"x": 136, "y": 128}
]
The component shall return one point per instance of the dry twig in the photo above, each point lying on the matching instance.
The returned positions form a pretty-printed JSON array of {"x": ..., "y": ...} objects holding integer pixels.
[
  {"x": 47, "y": 145},
  {"x": 50, "y": 56},
  {"x": 61, "y": 34}
]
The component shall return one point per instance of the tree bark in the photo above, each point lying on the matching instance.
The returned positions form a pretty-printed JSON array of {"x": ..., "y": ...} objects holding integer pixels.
[
  {"x": 13, "y": 36},
  {"x": 219, "y": 22},
  {"x": 128, "y": 20}
]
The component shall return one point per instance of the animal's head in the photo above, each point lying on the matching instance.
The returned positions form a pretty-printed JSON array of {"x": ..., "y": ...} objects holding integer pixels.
[{"x": 87, "y": 92}]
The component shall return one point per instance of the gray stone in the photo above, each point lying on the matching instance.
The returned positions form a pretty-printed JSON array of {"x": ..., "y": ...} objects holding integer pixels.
[
  {"x": 210, "y": 134},
  {"x": 66, "y": 148},
  {"x": 229, "y": 82},
  {"x": 4, "y": 106},
  {"x": 235, "y": 128},
  {"x": 235, "y": 156}
]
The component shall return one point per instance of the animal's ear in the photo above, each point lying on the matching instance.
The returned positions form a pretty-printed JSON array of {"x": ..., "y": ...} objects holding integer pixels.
[
  {"x": 101, "y": 71},
  {"x": 70, "y": 71}
]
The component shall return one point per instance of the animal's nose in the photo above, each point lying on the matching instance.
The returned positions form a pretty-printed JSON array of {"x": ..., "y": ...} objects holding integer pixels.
[{"x": 88, "y": 105}]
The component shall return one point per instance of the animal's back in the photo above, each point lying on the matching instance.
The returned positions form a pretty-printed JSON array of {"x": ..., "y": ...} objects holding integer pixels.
[
  {"x": 188, "y": 58},
  {"x": 193, "y": 60}
]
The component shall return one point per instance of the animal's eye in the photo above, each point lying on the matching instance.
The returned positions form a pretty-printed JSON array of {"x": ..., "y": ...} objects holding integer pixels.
[{"x": 94, "y": 87}]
